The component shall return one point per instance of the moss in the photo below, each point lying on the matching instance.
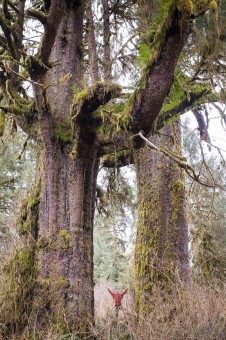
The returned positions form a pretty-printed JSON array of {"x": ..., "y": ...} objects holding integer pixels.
[
  {"x": 213, "y": 5},
  {"x": 2, "y": 122},
  {"x": 27, "y": 220},
  {"x": 65, "y": 239},
  {"x": 186, "y": 7},
  {"x": 63, "y": 133}
]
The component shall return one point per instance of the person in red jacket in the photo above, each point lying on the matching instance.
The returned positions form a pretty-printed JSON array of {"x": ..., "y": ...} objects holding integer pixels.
[{"x": 117, "y": 299}]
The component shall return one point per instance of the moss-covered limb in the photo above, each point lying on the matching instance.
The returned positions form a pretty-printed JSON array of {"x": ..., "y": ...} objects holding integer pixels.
[
  {"x": 17, "y": 100},
  {"x": 36, "y": 14},
  {"x": 34, "y": 65},
  {"x": 195, "y": 98},
  {"x": 118, "y": 159},
  {"x": 158, "y": 75},
  {"x": 12, "y": 5},
  {"x": 7, "y": 32},
  {"x": 88, "y": 101},
  {"x": 15, "y": 110}
]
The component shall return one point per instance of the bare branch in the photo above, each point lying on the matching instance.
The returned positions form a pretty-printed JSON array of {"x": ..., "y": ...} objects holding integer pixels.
[{"x": 181, "y": 161}]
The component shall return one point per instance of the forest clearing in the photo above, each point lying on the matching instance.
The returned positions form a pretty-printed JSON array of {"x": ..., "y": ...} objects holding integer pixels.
[{"x": 112, "y": 169}]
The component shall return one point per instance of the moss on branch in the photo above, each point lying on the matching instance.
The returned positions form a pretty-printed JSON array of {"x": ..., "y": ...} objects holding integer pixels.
[
  {"x": 88, "y": 100},
  {"x": 34, "y": 13}
]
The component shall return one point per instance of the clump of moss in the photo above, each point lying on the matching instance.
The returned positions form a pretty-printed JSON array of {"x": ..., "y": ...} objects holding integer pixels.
[
  {"x": 63, "y": 133},
  {"x": 27, "y": 220},
  {"x": 2, "y": 122},
  {"x": 213, "y": 5},
  {"x": 186, "y": 7},
  {"x": 65, "y": 239}
]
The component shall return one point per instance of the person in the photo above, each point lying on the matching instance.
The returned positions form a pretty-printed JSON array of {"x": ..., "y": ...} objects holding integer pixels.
[{"x": 117, "y": 299}]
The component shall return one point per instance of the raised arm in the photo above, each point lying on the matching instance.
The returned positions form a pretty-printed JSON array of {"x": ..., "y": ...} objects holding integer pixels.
[
  {"x": 125, "y": 291},
  {"x": 111, "y": 292}
]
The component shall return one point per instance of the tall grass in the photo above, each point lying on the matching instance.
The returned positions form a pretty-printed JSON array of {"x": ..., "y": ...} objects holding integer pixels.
[{"x": 197, "y": 314}]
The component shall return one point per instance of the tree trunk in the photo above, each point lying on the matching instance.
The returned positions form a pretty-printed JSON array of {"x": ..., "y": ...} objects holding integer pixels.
[
  {"x": 64, "y": 275},
  {"x": 65, "y": 233},
  {"x": 161, "y": 251}
]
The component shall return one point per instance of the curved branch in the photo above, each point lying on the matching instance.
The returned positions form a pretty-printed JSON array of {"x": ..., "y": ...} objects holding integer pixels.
[
  {"x": 89, "y": 100},
  {"x": 181, "y": 161},
  {"x": 34, "y": 13}
]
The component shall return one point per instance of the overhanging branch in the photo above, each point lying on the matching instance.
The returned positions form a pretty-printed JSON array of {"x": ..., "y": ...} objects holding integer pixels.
[{"x": 181, "y": 161}]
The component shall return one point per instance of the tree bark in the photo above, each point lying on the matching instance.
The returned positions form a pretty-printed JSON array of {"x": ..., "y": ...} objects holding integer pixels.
[
  {"x": 161, "y": 251},
  {"x": 65, "y": 233}
]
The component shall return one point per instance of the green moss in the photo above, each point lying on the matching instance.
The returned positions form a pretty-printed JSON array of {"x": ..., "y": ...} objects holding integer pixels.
[
  {"x": 27, "y": 220},
  {"x": 186, "y": 7},
  {"x": 2, "y": 122},
  {"x": 65, "y": 239},
  {"x": 63, "y": 133},
  {"x": 32, "y": 202}
]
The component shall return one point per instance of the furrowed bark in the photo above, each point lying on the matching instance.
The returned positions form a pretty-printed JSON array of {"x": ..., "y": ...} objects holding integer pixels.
[
  {"x": 161, "y": 251},
  {"x": 107, "y": 48},
  {"x": 92, "y": 49},
  {"x": 65, "y": 237}
]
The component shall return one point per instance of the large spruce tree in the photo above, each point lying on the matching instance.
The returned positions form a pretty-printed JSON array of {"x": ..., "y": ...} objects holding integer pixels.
[{"x": 76, "y": 119}]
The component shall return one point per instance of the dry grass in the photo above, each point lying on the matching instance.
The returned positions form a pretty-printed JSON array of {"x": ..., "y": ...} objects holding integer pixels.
[{"x": 199, "y": 314}]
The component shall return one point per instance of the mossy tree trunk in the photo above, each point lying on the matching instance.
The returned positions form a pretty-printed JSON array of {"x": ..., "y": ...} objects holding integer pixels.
[
  {"x": 65, "y": 235},
  {"x": 161, "y": 251},
  {"x": 63, "y": 290}
]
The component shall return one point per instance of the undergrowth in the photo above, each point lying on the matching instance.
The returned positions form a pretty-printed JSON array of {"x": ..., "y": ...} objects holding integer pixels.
[{"x": 197, "y": 313}]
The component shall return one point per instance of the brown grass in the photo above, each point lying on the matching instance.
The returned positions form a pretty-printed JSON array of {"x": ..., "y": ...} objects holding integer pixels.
[{"x": 198, "y": 314}]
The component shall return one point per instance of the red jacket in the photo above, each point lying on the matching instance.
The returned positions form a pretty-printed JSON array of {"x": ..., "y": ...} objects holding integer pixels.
[{"x": 117, "y": 297}]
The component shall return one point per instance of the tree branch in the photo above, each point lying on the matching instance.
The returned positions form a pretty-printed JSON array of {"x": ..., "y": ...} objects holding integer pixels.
[
  {"x": 181, "y": 161},
  {"x": 7, "y": 32},
  {"x": 89, "y": 100},
  {"x": 34, "y": 13},
  {"x": 184, "y": 106},
  {"x": 51, "y": 25}
]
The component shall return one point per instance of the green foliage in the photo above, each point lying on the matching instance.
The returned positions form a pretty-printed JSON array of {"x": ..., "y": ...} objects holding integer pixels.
[{"x": 113, "y": 232}]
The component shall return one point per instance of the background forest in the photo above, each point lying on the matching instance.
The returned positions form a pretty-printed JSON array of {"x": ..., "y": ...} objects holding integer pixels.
[{"x": 112, "y": 141}]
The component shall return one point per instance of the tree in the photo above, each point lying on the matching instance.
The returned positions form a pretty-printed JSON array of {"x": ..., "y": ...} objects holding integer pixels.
[
  {"x": 161, "y": 253},
  {"x": 68, "y": 117}
]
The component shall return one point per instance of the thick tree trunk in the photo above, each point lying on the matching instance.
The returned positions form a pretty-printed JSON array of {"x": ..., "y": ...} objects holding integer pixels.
[
  {"x": 161, "y": 253},
  {"x": 65, "y": 233}
]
